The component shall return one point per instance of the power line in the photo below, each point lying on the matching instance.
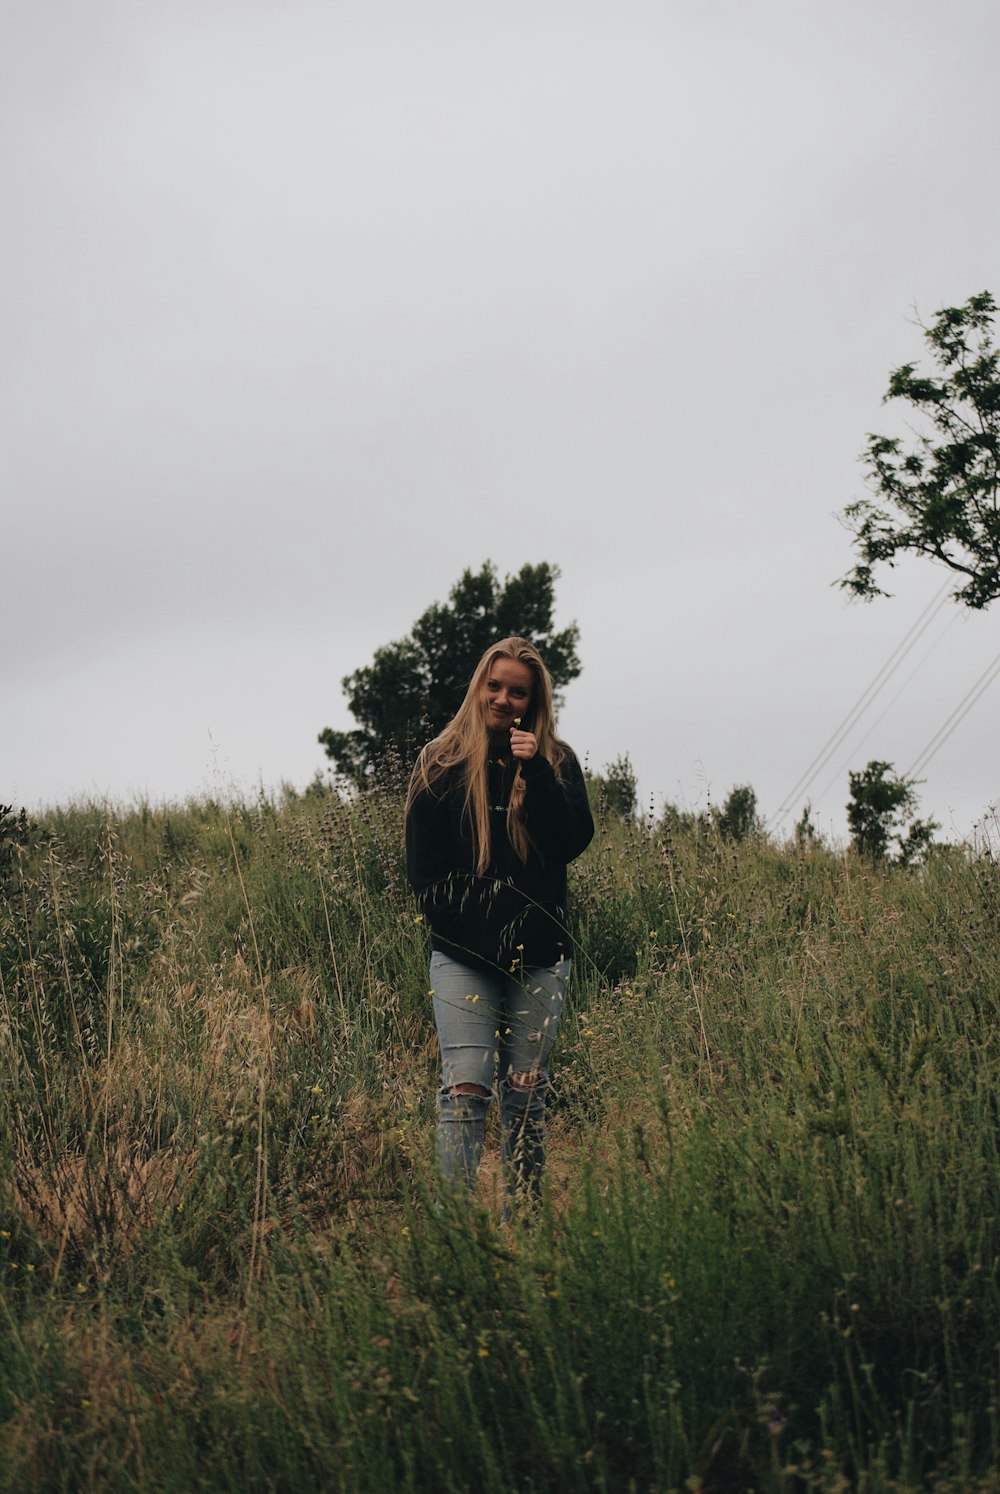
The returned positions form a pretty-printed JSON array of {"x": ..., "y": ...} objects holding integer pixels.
[
  {"x": 865, "y": 699},
  {"x": 958, "y": 715},
  {"x": 856, "y": 749}
]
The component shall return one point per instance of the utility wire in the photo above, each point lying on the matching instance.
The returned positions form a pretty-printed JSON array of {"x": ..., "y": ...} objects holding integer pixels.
[
  {"x": 958, "y": 715},
  {"x": 856, "y": 749},
  {"x": 865, "y": 699}
]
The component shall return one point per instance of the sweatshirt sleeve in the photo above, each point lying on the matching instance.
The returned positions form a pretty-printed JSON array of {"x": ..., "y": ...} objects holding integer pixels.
[
  {"x": 430, "y": 862},
  {"x": 557, "y": 814},
  {"x": 427, "y": 837}
]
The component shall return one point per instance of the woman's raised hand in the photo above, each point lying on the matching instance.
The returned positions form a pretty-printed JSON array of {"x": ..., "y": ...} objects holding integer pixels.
[{"x": 522, "y": 743}]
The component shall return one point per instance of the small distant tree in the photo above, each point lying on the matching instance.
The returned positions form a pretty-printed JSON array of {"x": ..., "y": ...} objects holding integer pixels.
[
  {"x": 738, "y": 818},
  {"x": 616, "y": 788},
  {"x": 15, "y": 833},
  {"x": 880, "y": 808},
  {"x": 677, "y": 821},
  {"x": 939, "y": 493},
  {"x": 806, "y": 834},
  {"x": 414, "y": 686}
]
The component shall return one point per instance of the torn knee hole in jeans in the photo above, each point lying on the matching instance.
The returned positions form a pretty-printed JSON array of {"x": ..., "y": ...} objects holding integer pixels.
[
  {"x": 530, "y": 1079},
  {"x": 468, "y": 1089}
]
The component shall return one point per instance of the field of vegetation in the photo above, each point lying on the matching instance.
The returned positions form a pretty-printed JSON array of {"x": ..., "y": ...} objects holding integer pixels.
[{"x": 768, "y": 1252}]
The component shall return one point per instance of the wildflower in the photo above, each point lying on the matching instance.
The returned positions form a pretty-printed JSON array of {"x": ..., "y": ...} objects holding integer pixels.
[
  {"x": 29, "y": 1267},
  {"x": 80, "y": 1287},
  {"x": 517, "y": 720},
  {"x": 418, "y": 918},
  {"x": 482, "y": 1353},
  {"x": 317, "y": 1089},
  {"x": 520, "y": 948},
  {"x": 180, "y": 1207},
  {"x": 4, "y": 1234},
  {"x": 588, "y": 1032}
]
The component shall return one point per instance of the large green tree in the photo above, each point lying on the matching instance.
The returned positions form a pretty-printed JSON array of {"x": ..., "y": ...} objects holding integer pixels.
[
  {"x": 414, "y": 686},
  {"x": 936, "y": 494}
]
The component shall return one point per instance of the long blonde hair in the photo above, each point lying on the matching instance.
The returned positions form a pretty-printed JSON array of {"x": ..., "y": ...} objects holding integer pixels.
[{"x": 465, "y": 743}]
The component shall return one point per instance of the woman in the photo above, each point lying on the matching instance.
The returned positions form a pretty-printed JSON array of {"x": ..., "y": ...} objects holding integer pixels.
[{"x": 497, "y": 806}]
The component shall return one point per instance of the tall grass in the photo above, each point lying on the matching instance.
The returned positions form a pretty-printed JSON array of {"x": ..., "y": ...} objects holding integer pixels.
[{"x": 768, "y": 1252}]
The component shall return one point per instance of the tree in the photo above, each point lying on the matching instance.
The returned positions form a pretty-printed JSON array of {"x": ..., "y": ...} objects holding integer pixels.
[
  {"x": 806, "y": 835},
  {"x": 738, "y": 817},
  {"x": 616, "y": 788},
  {"x": 880, "y": 806},
  {"x": 737, "y": 820},
  {"x": 414, "y": 686},
  {"x": 15, "y": 833},
  {"x": 938, "y": 494}
]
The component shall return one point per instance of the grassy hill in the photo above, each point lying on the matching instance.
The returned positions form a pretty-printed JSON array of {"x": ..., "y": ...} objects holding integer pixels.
[{"x": 768, "y": 1256}]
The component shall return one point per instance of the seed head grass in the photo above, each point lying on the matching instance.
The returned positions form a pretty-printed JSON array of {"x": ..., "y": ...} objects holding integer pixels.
[{"x": 767, "y": 1251}]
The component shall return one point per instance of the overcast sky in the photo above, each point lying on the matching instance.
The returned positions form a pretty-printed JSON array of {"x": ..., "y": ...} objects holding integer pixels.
[{"x": 309, "y": 306}]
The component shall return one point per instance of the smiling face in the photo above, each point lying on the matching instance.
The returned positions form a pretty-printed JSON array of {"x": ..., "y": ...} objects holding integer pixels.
[{"x": 507, "y": 692}]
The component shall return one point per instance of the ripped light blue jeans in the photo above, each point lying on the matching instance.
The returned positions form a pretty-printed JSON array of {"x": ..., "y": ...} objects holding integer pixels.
[{"x": 494, "y": 1029}]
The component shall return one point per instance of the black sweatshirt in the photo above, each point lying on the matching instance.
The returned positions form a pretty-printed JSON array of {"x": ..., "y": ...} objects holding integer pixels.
[{"x": 513, "y": 915}]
